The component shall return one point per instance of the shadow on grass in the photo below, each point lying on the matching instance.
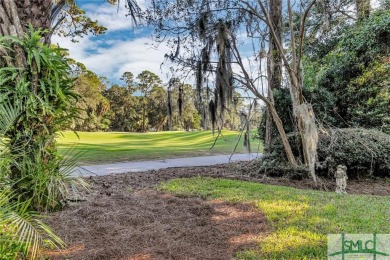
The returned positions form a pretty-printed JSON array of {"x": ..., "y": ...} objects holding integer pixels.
[
  {"x": 111, "y": 151},
  {"x": 300, "y": 219}
]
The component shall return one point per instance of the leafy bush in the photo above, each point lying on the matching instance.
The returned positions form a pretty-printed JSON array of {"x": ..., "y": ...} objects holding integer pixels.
[
  {"x": 364, "y": 152},
  {"x": 349, "y": 86},
  {"x": 273, "y": 167},
  {"x": 22, "y": 234},
  {"x": 47, "y": 183}
]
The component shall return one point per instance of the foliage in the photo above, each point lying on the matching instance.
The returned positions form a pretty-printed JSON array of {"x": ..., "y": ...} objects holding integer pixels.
[
  {"x": 47, "y": 183},
  {"x": 270, "y": 165},
  {"x": 125, "y": 109},
  {"x": 352, "y": 87},
  {"x": 137, "y": 105},
  {"x": 92, "y": 105},
  {"x": 147, "y": 81},
  {"x": 300, "y": 219},
  {"x": 45, "y": 91},
  {"x": 348, "y": 86},
  {"x": 142, "y": 105},
  {"x": 234, "y": 108},
  {"x": 71, "y": 21},
  {"x": 22, "y": 233},
  {"x": 190, "y": 118},
  {"x": 364, "y": 152},
  {"x": 284, "y": 109},
  {"x": 157, "y": 108}
]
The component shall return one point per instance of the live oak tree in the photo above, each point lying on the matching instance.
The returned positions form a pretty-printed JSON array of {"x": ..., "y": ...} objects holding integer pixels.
[{"x": 211, "y": 34}]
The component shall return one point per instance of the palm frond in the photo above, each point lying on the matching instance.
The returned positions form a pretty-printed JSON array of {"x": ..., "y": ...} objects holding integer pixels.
[
  {"x": 22, "y": 230},
  {"x": 8, "y": 115}
]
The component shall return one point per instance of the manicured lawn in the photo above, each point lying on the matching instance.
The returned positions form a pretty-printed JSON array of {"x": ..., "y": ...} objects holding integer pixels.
[
  {"x": 104, "y": 147},
  {"x": 300, "y": 219}
]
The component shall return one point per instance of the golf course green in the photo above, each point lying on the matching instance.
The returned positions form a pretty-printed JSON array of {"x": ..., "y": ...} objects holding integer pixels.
[{"x": 106, "y": 147}]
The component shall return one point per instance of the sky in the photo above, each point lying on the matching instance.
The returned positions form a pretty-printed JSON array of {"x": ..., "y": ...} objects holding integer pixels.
[{"x": 124, "y": 47}]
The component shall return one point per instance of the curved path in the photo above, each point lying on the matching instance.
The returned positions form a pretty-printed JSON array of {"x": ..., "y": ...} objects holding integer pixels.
[{"x": 142, "y": 166}]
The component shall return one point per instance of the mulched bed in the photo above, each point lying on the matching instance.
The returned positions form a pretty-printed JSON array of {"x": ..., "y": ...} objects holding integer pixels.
[{"x": 125, "y": 217}]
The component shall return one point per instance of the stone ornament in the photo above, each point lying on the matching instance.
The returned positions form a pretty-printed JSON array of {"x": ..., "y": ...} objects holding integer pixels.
[{"x": 341, "y": 179}]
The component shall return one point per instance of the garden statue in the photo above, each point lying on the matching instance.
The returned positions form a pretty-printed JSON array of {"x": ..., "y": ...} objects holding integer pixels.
[{"x": 341, "y": 179}]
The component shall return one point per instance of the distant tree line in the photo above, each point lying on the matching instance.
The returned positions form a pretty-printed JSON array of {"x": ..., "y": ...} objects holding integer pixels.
[{"x": 143, "y": 103}]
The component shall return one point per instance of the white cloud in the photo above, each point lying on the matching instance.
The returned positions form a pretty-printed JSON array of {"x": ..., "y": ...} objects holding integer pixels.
[
  {"x": 120, "y": 55},
  {"x": 111, "y": 57},
  {"x": 113, "y": 17}
]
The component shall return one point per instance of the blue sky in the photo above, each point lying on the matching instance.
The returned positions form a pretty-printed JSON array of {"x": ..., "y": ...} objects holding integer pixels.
[
  {"x": 125, "y": 47},
  {"x": 122, "y": 48}
]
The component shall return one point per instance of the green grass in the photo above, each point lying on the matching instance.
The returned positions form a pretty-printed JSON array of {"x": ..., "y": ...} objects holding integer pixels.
[
  {"x": 104, "y": 147},
  {"x": 299, "y": 219}
]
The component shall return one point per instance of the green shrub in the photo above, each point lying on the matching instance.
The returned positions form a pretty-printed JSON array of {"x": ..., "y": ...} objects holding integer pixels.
[
  {"x": 356, "y": 77},
  {"x": 23, "y": 235},
  {"x": 47, "y": 183},
  {"x": 364, "y": 152}
]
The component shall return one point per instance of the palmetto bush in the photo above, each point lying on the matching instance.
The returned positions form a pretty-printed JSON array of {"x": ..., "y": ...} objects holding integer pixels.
[
  {"x": 22, "y": 233},
  {"x": 47, "y": 183}
]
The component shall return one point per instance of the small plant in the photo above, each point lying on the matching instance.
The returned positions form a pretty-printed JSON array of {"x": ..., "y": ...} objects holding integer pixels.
[
  {"x": 23, "y": 234},
  {"x": 47, "y": 183}
]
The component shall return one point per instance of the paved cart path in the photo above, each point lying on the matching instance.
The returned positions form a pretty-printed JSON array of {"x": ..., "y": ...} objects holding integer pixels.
[{"x": 142, "y": 166}]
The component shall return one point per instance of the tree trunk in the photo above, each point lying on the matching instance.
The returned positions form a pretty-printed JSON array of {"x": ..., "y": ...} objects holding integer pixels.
[
  {"x": 11, "y": 25},
  {"x": 363, "y": 9},
  {"x": 37, "y": 13},
  {"x": 15, "y": 17},
  {"x": 274, "y": 65},
  {"x": 302, "y": 110},
  {"x": 282, "y": 133},
  {"x": 144, "y": 127},
  {"x": 306, "y": 124}
]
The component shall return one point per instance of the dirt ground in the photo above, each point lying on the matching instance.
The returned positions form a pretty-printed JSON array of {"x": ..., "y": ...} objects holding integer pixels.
[{"x": 125, "y": 217}]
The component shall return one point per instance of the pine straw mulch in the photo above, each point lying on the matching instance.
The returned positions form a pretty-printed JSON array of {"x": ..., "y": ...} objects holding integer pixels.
[{"x": 125, "y": 217}]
